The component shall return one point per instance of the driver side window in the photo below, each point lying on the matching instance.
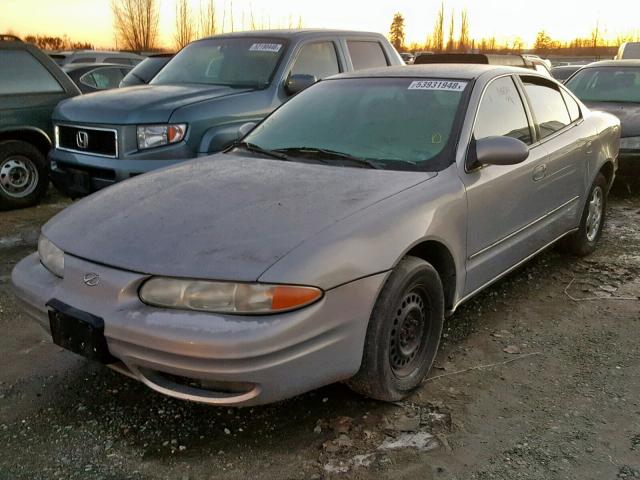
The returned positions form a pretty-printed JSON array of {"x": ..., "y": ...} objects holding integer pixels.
[
  {"x": 501, "y": 113},
  {"x": 317, "y": 59}
]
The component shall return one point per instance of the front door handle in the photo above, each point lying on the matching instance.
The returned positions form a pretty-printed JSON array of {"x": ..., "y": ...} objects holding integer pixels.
[{"x": 539, "y": 172}]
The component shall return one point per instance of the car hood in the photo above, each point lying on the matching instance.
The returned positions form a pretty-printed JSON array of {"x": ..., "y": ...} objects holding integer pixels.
[
  {"x": 140, "y": 104},
  {"x": 225, "y": 216},
  {"x": 628, "y": 113}
]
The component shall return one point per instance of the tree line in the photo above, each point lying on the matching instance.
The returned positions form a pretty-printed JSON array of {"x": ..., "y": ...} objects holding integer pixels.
[{"x": 456, "y": 38}]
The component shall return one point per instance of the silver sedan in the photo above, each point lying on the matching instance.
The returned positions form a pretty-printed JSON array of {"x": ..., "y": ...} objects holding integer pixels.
[{"x": 331, "y": 243}]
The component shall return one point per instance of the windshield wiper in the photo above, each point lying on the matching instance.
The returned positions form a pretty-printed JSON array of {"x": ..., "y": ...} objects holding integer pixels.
[
  {"x": 362, "y": 162},
  {"x": 252, "y": 147}
]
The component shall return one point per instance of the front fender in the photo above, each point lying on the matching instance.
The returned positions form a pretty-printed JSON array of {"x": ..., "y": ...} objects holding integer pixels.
[{"x": 220, "y": 137}]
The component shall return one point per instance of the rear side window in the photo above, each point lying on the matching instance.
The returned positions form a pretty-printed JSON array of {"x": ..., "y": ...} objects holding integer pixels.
[
  {"x": 23, "y": 73},
  {"x": 120, "y": 60},
  {"x": 548, "y": 106},
  {"x": 84, "y": 60},
  {"x": 103, "y": 78},
  {"x": 366, "y": 55},
  {"x": 501, "y": 113},
  {"x": 572, "y": 106},
  {"x": 318, "y": 59}
]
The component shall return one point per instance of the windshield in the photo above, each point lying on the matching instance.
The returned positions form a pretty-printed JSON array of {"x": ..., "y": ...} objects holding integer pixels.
[
  {"x": 607, "y": 84},
  {"x": 397, "y": 123},
  {"x": 236, "y": 62}
]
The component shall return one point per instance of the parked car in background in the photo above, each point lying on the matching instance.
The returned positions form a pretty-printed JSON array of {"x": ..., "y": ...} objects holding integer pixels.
[
  {"x": 332, "y": 241},
  {"x": 31, "y": 85},
  {"x": 614, "y": 86},
  {"x": 485, "y": 59},
  {"x": 91, "y": 77},
  {"x": 407, "y": 57},
  {"x": 144, "y": 72},
  {"x": 95, "y": 56},
  {"x": 563, "y": 72},
  {"x": 628, "y": 51},
  {"x": 197, "y": 103}
]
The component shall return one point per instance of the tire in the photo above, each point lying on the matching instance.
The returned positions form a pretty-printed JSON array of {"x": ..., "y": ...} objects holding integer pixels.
[
  {"x": 24, "y": 175},
  {"x": 584, "y": 241},
  {"x": 409, "y": 309}
]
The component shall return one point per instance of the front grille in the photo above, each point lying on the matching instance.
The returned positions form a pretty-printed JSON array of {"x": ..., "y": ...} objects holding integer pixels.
[{"x": 88, "y": 140}]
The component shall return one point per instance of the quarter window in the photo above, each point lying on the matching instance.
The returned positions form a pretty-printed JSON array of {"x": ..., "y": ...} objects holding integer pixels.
[
  {"x": 103, "y": 78},
  {"x": 22, "y": 73},
  {"x": 502, "y": 113},
  {"x": 366, "y": 55},
  {"x": 317, "y": 59},
  {"x": 548, "y": 106},
  {"x": 572, "y": 105},
  {"x": 84, "y": 60}
]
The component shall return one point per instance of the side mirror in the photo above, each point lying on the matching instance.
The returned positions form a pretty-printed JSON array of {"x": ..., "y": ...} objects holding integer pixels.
[
  {"x": 245, "y": 128},
  {"x": 298, "y": 82},
  {"x": 500, "y": 151}
]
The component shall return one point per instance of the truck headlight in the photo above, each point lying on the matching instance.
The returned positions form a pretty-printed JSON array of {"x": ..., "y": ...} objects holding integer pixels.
[
  {"x": 226, "y": 297},
  {"x": 150, "y": 136},
  {"x": 51, "y": 256},
  {"x": 630, "y": 143}
]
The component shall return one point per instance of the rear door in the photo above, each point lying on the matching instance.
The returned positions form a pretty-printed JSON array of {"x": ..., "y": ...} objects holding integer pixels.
[
  {"x": 28, "y": 91},
  {"x": 567, "y": 140}
]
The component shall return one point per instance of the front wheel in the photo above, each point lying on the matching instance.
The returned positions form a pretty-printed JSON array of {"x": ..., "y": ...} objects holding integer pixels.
[
  {"x": 23, "y": 175},
  {"x": 583, "y": 242},
  {"x": 403, "y": 333}
]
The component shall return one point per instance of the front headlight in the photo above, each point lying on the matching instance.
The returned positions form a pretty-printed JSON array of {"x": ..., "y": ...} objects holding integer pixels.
[
  {"x": 51, "y": 256},
  {"x": 226, "y": 297},
  {"x": 630, "y": 143},
  {"x": 150, "y": 136}
]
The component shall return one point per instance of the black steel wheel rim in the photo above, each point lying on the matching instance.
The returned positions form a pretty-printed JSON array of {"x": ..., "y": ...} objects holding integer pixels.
[{"x": 409, "y": 333}]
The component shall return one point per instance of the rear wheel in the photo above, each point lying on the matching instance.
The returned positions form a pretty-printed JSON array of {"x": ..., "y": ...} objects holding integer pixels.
[
  {"x": 583, "y": 242},
  {"x": 403, "y": 334},
  {"x": 23, "y": 175}
]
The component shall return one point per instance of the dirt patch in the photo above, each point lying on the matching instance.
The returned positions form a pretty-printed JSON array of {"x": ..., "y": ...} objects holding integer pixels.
[{"x": 528, "y": 384}]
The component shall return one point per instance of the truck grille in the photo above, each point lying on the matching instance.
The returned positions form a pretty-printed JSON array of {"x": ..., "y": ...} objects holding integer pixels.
[{"x": 95, "y": 141}]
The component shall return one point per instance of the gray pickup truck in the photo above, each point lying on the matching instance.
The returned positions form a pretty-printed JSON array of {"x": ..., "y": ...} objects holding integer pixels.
[{"x": 197, "y": 103}]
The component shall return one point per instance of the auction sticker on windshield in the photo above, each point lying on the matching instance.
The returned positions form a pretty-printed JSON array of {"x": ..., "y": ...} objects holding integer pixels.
[
  {"x": 265, "y": 47},
  {"x": 446, "y": 85}
]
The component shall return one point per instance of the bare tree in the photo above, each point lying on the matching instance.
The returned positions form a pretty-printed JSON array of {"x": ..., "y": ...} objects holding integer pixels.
[
  {"x": 185, "y": 29},
  {"x": 463, "y": 40},
  {"x": 208, "y": 20},
  {"x": 438, "y": 30},
  {"x": 451, "y": 43},
  {"x": 135, "y": 23}
]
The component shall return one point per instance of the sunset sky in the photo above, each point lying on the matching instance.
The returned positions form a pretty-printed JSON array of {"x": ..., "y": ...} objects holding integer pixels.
[{"x": 90, "y": 20}]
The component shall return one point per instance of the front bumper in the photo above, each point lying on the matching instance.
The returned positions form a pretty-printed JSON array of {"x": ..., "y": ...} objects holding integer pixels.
[
  {"x": 78, "y": 174},
  {"x": 244, "y": 360}
]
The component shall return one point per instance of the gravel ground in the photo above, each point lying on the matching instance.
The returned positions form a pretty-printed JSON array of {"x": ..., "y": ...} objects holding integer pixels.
[{"x": 537, "y": 378}]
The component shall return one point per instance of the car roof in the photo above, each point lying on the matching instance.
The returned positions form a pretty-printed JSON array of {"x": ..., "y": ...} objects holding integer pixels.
[
  {"x": 615, "y": 63},
  {"x": 69, "y": 67},
  {"x": 294, "y": 33},
  {"x": 466, "y": 71}
]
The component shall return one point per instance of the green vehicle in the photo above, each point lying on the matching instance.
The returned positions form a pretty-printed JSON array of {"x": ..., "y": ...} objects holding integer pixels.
[{"x": 31, "y": 85}]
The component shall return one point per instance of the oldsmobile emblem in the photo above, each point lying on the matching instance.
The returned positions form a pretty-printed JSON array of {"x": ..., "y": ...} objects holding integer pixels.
[{"x": 91, "y": 279}]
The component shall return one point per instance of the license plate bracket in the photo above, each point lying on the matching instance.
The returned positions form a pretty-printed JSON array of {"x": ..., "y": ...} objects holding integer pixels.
[{"x": 79, "y": 332}]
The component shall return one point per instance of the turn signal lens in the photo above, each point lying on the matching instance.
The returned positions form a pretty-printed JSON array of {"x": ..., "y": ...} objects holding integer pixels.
[{"x": 226, "y": 297}]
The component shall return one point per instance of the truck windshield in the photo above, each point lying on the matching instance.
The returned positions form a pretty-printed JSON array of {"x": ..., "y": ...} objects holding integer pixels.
[
  {"x": 391, "y": 123},
  {"x": 235, "y": 62}
]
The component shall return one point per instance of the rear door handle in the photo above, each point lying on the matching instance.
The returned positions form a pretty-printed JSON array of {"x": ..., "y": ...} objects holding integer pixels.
[{"x": 539, "y": 172}]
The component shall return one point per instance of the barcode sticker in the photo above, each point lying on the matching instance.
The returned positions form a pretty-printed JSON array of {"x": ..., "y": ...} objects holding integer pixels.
[
  {"x": 446, "y": 85},
  {"x": 265, "y": 47}
]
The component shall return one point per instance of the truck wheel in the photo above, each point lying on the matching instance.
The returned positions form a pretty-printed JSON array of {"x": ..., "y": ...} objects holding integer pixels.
[
  {"x": 583, "y": 242},
  {"x": 23, "y": 175},
  {"x": 403, "y": 333}
]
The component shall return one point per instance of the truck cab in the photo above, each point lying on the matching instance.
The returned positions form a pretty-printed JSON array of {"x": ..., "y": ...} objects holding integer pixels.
[{"x": 197, "y": 103}]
